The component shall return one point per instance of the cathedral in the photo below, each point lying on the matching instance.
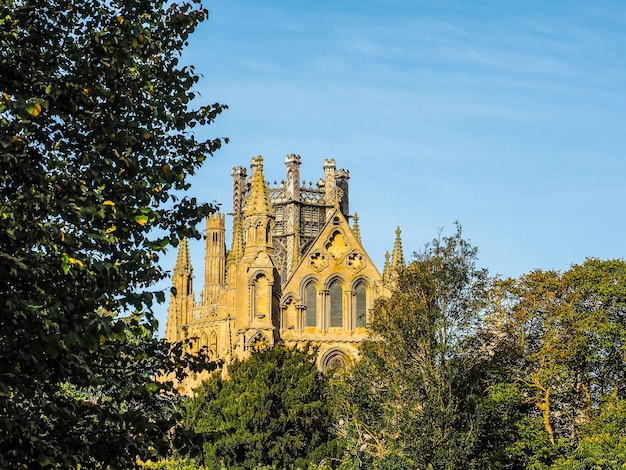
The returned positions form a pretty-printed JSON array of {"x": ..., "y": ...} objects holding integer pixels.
[{"x": 296, "y": 272}]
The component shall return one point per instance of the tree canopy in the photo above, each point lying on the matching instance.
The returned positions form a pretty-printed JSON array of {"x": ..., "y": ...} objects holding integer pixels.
[
  {"x": 97, "y": 144},
  {"x": 462, "y": 371},
  {"x": 560, "y": 337},
  {"x": 272, "y": 410},
  {"x": 413, "y": 391},
  {"x": 96, "y": 113}
]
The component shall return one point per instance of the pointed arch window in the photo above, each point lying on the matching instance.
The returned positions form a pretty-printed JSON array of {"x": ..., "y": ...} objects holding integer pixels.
[
  {"x": 335, "y": 359},
  {"x": 360, "y": 306},
  {"x": 336, "y": 305},
  {"x": 310, "y": 300}
]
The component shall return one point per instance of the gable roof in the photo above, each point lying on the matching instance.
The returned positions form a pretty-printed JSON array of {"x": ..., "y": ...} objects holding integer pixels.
[{"x": 335, "y": 250}]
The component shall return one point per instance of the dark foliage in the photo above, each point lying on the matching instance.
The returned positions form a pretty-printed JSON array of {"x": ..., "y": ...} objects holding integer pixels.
[
  {"x": 272, "y": 410},
  {"x": 95, "y": 142}
]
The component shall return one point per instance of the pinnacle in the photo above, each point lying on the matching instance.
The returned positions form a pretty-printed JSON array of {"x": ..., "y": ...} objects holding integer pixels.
[
  {"x": 259, "y": 200},
  {"x": 183, "y": 260},
  {"x": 397, "y": 256},
  {"x": 355, "y": 227}
]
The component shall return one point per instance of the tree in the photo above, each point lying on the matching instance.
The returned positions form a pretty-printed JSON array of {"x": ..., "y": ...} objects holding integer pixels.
[
  {"x": 602, "y": 443},
  {"x": 272, "y": 410},
  {"x": 95, "y": 148},
  {"x": 412, "y": 393},
  {"x": 564, "y": 334}
]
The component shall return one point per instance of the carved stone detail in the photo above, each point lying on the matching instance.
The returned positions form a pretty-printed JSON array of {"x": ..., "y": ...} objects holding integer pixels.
[
  {"x": 262, "y": 259},
  {"x": 355, "y": 261},
  {"x": 337, "y": 247},
  {"x": 318, "y": 261}
]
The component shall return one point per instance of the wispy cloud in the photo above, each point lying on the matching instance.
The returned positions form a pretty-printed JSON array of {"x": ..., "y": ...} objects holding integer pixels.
[{"x": 506, "y": 115}]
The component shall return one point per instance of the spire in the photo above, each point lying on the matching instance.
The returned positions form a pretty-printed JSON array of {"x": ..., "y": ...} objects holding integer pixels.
[
  {"x": 182, "y": 299},
  {"x": 259, "y": 200},
  {"x": 386, "y": 267},
  {"x": 397, "y": 257},
  {"x": 183, "y": 261},
  {"x": 356, "y": 229},
  {"x": 258, "y": 215},
  {"x": 236, "y": 250}
]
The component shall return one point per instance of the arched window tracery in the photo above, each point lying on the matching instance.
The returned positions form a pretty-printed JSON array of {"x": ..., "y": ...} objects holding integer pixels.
[
  {"x": 310, "y": 301},
  {"x": 360, "y": 306},
  {"x": 336, "y": 305}
]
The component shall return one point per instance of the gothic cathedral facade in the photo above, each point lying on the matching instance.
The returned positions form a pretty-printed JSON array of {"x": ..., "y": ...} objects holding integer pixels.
[{"x": 296, "y": 272}]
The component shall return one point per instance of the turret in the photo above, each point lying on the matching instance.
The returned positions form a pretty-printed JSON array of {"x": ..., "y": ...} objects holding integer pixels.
[
  {"x": 215, "y": 258},
  {"x": 239, "y": 188},
  {"x": 329, "y": 182},
  {"x": 255, "y": 311},
  {"x": 293, "y": 162},
  {"x": 341, "y": 180},
  {"x": 291, "y": 225}
]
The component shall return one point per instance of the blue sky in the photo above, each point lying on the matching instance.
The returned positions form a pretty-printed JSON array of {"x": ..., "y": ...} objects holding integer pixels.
[{"x": 507, "y": 116}]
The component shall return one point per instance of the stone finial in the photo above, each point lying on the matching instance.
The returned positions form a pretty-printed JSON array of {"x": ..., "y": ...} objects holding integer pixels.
[
  {"x": 355, "y": 227},
  {"x": 397, "y": 256}
]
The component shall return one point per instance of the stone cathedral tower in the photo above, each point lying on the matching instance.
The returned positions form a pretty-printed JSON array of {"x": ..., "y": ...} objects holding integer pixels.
[{"x": 296, "y": 271}]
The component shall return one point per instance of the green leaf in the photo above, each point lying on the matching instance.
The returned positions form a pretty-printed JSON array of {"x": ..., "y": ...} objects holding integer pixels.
[{"x": 141, "y": 219}]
